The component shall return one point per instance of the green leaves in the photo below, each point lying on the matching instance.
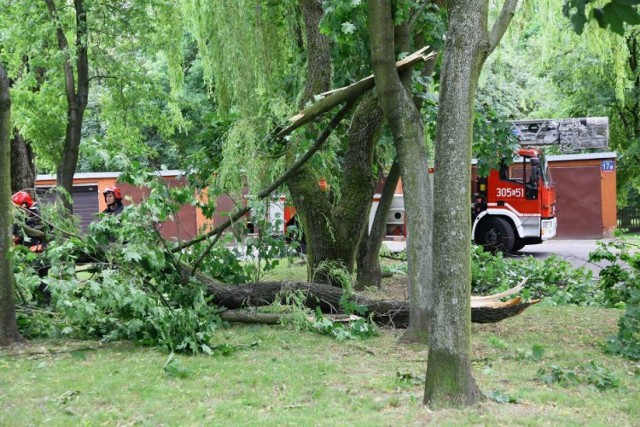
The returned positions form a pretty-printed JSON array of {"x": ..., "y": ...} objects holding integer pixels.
[
  {"x": 596, "y": 376},
  {"x": 174, "y": 368},
  {"x": 614, "y": 15}
]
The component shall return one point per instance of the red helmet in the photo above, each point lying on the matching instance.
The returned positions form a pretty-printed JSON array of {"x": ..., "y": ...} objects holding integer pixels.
[
  {"x": 22, "y": 198},
  {"x": 114, "y": 190}
]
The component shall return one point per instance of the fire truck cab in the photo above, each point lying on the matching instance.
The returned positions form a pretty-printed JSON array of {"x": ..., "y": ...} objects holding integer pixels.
[{"x": 515, "y": 205}]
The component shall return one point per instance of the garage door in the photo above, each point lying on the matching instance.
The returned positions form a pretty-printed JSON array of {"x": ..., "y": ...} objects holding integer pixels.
[
  {"x": 85, "y": 202},
  {"x": 579, "y": 207}
]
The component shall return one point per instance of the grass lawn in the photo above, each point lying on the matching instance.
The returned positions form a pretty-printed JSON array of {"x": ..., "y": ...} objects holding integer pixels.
[
  {"x": 633, "y": 238},
  {"x": 285, "y": 377}
]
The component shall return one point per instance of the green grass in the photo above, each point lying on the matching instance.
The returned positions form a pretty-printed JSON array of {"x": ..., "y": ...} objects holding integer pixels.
[
  {"x": 632, "y": 238},
  {"x": 297, "y": 378}
]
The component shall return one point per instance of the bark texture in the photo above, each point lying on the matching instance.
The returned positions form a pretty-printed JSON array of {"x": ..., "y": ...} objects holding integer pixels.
[
  {"x": 23, "y": 168},
  {"x": 406, "y": 126},
  {"x": 8, "y": 327},
  {"x": 449, "y": 380},
  {"x": 76, "y": 91}
]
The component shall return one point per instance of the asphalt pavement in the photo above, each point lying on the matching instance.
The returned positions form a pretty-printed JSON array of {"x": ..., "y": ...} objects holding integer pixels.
[{"x": 573, "y": 250}]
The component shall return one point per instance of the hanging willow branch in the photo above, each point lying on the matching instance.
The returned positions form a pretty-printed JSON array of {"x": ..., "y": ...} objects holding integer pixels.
[{"x": 277, "y": 183}]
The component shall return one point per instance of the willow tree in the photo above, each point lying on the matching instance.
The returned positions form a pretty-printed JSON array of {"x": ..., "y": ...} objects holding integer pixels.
[
  {"x": 246, "y": 72},
  {"x": 8, "y": 327},
  {"x": 565, "y": 74}
]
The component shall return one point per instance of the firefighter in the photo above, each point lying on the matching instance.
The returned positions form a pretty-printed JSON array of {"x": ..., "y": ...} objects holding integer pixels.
[
  {"x": 25, "y": 236},
  {"x": 113, "y": 199},
  {"x": 32, "y": 220}
]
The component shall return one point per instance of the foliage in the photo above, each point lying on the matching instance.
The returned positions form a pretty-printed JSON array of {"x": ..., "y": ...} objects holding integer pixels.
[
  {"x": 301, "y": 318},
  {"x": 614, "y": 15},
  {"x": 494, "y": 142},
  {"x": 354, "y": 329},
  {"x": 127, "y": 103},
  {"x": 620, "y": 278},
  {"x": 385, "y": 252},
  {"x": 595, "y": 375},
  {"x": 552, "y": 279},
  {"x": 627, "y": 342},
  {"x": 133, "y": 290},
  {"x": 620, "y": 281}
]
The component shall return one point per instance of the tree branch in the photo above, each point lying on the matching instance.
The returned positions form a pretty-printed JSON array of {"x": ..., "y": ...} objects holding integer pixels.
[
  {"x": 501, "y": 24},
  {"x": 63, "y": 44},
  {"x": 338, "y": 96}
]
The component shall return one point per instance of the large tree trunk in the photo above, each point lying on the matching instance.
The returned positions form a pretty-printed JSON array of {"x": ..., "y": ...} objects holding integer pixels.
[
  {"x": 23, "y": 168},
  {"x": 406, "y": 127},
  {"x": 77, "y": 93},
  {"x": 449, "y": 380},
  {"x": 332, "y": 231},
  {"x": 8, "y": 327}
]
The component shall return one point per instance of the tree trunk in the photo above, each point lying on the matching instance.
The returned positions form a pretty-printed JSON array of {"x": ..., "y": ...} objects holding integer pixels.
[
  {"x": 332, "y": 232},
  {"x": 8, "y": 327},
  {"x": 449, "y": 379},
  {"x": 368, "y": 257},
  {"x": 23, "y": 168},
  {"x": 77, "y": 93},
  {"x": 406, "y": 127}
]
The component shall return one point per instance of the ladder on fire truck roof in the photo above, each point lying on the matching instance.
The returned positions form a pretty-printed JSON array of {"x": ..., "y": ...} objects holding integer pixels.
[{"x": 571, "y": 135}]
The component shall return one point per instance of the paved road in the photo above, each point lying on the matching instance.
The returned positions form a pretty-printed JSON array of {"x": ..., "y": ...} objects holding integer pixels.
[{"x": 574, "y": 251}]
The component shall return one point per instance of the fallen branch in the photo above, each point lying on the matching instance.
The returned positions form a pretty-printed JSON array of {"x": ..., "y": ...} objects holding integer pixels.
[
  {"x": 243, "y": 316},
  {"x": 328, "y": 299}
]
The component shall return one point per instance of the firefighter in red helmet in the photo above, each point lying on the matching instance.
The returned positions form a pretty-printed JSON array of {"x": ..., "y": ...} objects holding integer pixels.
[
  {"x": 113, "y": 199},
  {"x": 30, "y": 233},
  {"x": 26, "y": 236}
]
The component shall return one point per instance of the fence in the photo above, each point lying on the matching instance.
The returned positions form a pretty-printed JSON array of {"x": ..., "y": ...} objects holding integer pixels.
[{"x": 629, "y": 219}]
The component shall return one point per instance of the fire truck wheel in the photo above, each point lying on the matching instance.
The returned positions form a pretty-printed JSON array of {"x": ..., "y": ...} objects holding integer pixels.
[
  {"x": 495, "y": 234},
  {"x": 519, "y": 244}
]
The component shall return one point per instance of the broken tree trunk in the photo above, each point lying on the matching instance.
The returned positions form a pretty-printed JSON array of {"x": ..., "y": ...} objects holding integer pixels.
[
  {"x": 337, "y": 96},
  {"x": 487, "y": 309}
]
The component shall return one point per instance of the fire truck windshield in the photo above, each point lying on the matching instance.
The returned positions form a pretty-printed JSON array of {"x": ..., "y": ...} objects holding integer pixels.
[{"x": 544, "y": 170}]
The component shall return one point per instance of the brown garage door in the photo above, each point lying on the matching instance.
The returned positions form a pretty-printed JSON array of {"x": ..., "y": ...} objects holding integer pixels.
[
  {"x": 85, "y": 202},
  {"x": 579, "y": 207}
]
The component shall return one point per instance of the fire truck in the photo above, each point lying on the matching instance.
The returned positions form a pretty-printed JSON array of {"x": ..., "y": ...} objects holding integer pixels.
[{"x": 515, "y": 205}]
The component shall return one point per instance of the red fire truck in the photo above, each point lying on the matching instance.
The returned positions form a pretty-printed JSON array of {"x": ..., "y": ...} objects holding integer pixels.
[{"x": 515, "y": 205}]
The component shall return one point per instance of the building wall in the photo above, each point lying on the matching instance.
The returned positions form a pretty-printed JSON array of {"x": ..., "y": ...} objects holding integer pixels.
[
  {"x": 184, "y": 227},
  {"x": 586, "y": 191}
]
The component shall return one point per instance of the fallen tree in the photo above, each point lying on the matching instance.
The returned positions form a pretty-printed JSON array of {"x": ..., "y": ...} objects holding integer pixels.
[{"x": 484, "y": 309}]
